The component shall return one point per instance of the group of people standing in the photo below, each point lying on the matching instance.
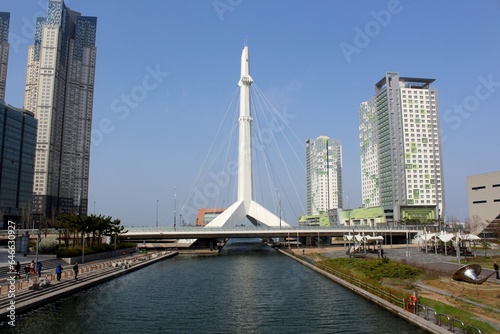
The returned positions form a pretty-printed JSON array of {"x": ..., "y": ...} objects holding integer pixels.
[
  {"x": 29, "y": 269},
  {"x": 33, "y": 269}
]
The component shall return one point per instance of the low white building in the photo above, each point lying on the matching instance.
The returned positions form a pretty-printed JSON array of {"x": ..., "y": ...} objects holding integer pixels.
[{"x": 484, "y": 202}]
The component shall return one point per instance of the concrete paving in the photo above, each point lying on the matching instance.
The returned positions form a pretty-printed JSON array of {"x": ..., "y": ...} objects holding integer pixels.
[{"x": 413, "y": 255}]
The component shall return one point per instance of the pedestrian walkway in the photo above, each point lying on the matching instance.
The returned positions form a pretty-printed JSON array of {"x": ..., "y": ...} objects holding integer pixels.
[{"x": 28, "y": 296}]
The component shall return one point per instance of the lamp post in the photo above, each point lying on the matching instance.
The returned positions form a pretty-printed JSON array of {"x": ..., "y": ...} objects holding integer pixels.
[
  {"x": 37, "y": 245},
  {"x": 157, "y": 201},
  {"x": 175, "y": 207},
  {"x": 280, "y": 208},
  {"x": 83, "y": 246},
  {"x": 94, "y": 208},
  {"x": 407, "y": 245}
]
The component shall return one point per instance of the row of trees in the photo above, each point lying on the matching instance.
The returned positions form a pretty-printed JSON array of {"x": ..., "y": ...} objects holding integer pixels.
[{"x": 74, "y": 228}]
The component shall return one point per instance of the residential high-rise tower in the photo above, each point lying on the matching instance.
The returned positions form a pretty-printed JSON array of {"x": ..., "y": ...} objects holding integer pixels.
[
  {"x": 59, "y": 90},
  {"x": 323, "y": 175},
  {"x": 4, "y": 51},
  {"x": 401, "y": 162}
]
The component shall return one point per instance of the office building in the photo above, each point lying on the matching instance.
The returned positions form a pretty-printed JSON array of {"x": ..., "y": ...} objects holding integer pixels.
[
  {"x": 400, "y": 150},
  {"x": 484, "y": 204},
  {"x": 17, "y": 157},
  {"x": 323, "y": 175},
  {"x": 4, "y": 51},
  {"x": 59, "y": 90},
  {"x": 206, "y": 215}
]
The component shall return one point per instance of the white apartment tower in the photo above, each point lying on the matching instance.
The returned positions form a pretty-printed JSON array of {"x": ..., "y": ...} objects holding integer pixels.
[
  {"x": 323, "y": 175},
  {"x": 4, "y": 51},
  {"x": 59, "y": 90},
  {"x": 401, "y": 167}
]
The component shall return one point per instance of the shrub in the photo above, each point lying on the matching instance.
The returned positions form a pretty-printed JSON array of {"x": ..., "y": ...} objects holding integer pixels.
[
  {"x": 48, "y": 248},
  {"x": 375, "y": 269},
  {"x": 69, "y": 252},
  {"x": 77, "y": 251}
]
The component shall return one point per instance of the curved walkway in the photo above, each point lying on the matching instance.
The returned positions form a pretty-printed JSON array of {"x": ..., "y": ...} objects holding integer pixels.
[{"x": 19, "y": 296}]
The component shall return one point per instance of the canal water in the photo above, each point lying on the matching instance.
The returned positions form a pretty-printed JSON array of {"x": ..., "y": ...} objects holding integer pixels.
[{"x": 249, "y": 288}]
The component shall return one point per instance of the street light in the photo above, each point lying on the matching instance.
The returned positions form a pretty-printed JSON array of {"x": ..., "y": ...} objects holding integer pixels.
[
  {"x": 175, "y": 207},
  {"x": 37, "y": 245},
  {"x": 83, "y": 244},
  {"x": 157, "y": 212}
]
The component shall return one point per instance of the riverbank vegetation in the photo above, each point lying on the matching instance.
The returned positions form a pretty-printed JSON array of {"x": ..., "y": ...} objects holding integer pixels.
[
  {"x": 83, "y": 232},
  {"x": 401, "y": 280}
]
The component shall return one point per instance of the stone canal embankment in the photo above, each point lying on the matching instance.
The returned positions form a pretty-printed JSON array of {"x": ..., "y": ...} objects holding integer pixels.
[
  {"x": 18, "y": 296},
  {"x": 398, "y": 310}
]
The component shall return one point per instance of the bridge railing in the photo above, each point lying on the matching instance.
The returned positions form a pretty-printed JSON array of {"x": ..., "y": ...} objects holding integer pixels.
[{"x": 291, "y": 229}]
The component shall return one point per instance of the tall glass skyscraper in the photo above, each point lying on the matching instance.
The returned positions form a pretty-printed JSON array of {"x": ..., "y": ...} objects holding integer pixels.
[
  {"x": 17, "y": 157},
  {"x": 60, "y": 90},
  {"x": 323, "y": 175},
  {"x": 4, "y": 51},
  {"x": 401, "y": 162}
]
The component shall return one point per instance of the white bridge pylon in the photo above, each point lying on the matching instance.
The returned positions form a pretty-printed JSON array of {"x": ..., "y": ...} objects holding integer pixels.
[{"x": 245, "y": 206}]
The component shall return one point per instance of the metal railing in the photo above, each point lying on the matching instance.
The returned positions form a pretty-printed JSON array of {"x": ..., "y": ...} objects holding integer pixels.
[
  {"x": 393, "y": 299},
  {"x": 452, "y": 324}
]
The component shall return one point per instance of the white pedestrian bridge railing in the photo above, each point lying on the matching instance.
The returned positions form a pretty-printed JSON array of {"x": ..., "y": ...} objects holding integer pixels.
[{"x": 357, "y": 229}]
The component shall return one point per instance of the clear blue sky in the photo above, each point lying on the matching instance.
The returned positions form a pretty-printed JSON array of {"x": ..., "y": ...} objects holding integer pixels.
[{"x": 315, "y": 61}]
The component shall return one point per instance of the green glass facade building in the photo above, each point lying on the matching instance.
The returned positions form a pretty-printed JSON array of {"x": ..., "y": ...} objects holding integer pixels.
[
  {"x": 400, "y": 150},
  {"x": 17, "y": 156}
]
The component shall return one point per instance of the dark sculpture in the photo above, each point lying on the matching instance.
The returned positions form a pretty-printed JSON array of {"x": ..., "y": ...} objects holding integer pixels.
[{"x": 470, "y": 274}]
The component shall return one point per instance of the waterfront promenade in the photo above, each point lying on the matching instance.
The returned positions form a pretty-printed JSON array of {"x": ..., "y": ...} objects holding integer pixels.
[
  {"x": 19, "y": 295},
  {"x": 442, "y": 266}
]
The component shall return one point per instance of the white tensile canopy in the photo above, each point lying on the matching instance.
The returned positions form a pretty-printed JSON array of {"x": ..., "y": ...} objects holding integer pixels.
[
  {"x": 469, "y": 237},
  {"x": 445, "y": 237},
  {"x": 378, "y": 237}
]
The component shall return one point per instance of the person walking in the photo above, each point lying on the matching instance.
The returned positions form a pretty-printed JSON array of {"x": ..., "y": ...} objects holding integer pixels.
[
  {"x": 75, "y": 269},
  {"x": 39, "y": 267},
  {"x": 32, "y": 267},
  {"x": 495, "y": 266},
  {"x": 59, "y": 270},
  {"x": 27, "y": 271},
  {"x": 18, "y": 269}
]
